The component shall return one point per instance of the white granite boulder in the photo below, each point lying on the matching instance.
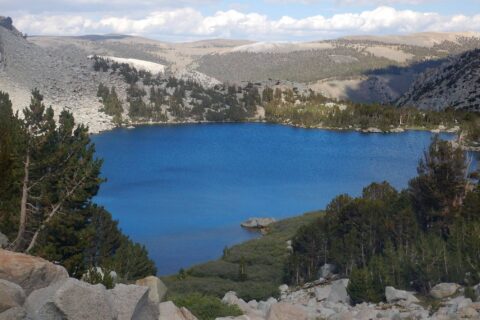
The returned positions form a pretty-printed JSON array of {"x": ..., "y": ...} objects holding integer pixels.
[
  {"x": 132, "y": 303},
  {"x": 393, "y": 295},
  {"x": 339, "y": 292},
  {"x": 443, "y": 290},
  {"x": 286, "y": 311}
]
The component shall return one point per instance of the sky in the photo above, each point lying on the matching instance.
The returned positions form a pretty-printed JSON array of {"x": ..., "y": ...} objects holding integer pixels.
[{"x": 259, "y": 20}]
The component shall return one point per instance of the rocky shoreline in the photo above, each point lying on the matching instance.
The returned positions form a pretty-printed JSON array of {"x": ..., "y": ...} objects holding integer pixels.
[{"x": 372, "y": 130}]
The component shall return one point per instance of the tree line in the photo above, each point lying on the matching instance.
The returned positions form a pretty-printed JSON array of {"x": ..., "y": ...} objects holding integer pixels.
[
  {"x": 49, "y": 175},
  {"x": 410, "y": 239}
]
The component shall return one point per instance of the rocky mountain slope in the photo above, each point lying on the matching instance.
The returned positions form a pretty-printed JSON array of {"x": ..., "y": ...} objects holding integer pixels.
[
  {"x": 62, "y": 74},
  {"x": 362, "y": 69},
  {"x": 456, "y": 84}
]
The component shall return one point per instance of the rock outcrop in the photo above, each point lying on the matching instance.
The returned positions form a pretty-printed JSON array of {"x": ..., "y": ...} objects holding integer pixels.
[
  {"x": 455, "y": 83},
  {"x": 257, "y": 223},
  {"x": 7, "y": 23},
  {"x": 32, "y": 288}
]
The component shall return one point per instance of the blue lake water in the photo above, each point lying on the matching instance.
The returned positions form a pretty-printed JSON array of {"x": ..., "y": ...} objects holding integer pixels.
[{"x": 184, "y": 190}]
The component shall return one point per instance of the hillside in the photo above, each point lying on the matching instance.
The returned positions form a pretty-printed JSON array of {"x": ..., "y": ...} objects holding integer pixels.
[
  {"x": 361, "y": 69},
  {"x": 456, "y": 83},
  {"x": 264, "y": 258},
  {"x": 63, "y": 74}
]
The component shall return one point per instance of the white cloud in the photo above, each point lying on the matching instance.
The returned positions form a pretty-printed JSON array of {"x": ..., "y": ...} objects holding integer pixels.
[{"x": 187, "y": 23}]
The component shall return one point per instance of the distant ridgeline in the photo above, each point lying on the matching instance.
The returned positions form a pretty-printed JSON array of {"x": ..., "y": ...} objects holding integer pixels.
[
  {"x": 49, "y": 175},
  {"x": 162, "y": 98}
]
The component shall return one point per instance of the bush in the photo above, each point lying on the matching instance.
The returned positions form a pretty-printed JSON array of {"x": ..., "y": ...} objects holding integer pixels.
[
  {"x": 361, "y": 287},
  {"x": 206, "y": 307}
]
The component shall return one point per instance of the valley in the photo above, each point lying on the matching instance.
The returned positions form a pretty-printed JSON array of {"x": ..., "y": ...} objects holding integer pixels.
[{"x": 222, "y": 176}]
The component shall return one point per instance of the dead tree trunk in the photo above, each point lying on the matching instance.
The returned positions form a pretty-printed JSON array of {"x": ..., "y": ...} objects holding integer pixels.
[{"x": 18, "y": 242}]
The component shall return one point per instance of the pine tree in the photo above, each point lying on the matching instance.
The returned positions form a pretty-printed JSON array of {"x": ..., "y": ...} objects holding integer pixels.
[
  {"x": 11, "y": 141},
  {"x": 441, "y": 185}
]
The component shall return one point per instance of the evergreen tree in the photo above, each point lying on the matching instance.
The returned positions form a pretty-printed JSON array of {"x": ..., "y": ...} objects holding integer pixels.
[
  {"x": 440, "y": 187},
  {"x": 49, "y": 176}
]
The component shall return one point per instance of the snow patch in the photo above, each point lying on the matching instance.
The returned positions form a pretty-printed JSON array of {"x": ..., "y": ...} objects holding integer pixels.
[{"x": 138, "y": 64}]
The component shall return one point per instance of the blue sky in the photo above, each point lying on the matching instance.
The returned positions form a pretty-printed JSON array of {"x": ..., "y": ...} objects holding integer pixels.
[{"x": 263, "y": 20}]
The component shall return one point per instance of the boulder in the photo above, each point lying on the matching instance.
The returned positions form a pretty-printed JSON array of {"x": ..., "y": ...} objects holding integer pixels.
[
  {"x": 264, "y": 306},
  {"x": 327, "y": 271},
  {"x": 132, "y": 303},
  {"x": 366, "y": 313},
  {"x": 322, "y": 292},
  {"x": 286, "y": 311},
  {"x": 15, "y": 313},
  {"x": 394, "y": 295},
  {"x": 3, "y": 241},
  {"x": 71, "y": 299},
  {"x": 457, "y": 304},
  {"x": 80, "y": 300},
  {"x": 40, "y": 302},
  {"x": 258, "y": 223},
  {"x": 29, "y": 272},
  {"x": 11, "y": 295},
  {"x": 169, "y": 311},
  {"x": 443, "y": 290},
  {"x": 157, "y": 288},
  {"x": 372, "y": 130},
  {"x": 338, "y": 291},
  {"x": 253, "y": 304},
  {"x": 283, "y": 288},
  {"x": 232, "y": 299},
  {"x": 468, "y": 313}
]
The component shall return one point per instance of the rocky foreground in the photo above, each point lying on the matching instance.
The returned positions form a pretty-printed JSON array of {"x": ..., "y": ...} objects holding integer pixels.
[
  {"x": 327, "y": 298},
  {"x": 32, "y": 288}
]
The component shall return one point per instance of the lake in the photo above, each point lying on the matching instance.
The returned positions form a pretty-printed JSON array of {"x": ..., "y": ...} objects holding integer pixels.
[{"x": 183, "y": 190}]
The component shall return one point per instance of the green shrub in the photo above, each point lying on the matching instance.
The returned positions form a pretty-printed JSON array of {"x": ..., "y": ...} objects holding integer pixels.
[
  {"x": 206, "y": 307},
  {"x": 361, "y": 287}
]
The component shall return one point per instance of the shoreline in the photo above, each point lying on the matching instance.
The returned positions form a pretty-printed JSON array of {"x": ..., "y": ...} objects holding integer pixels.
[{"x": 371, "y": 130}]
